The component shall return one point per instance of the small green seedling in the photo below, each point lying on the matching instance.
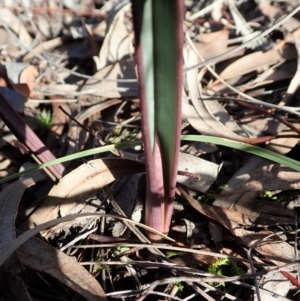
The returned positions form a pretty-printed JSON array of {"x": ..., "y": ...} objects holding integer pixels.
[
  {"x": 100, "y": 266},
  {"x": 223, "y": 267},
  {"x": 119, "y": 251},
  {"x": 180, "y": 286},
  {"x": 44, "y": 118},
  {"x": 174, "y": 253}
]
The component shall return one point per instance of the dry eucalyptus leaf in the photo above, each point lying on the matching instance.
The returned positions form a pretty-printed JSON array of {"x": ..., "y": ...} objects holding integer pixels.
[
  {"x": 21, "y": 77},
  {"x": 44, "y": 25},
  {"x": 216, "y": 233},
  {"x": 96, "y": 86},
  {"x": 275, "y": 249},
  {"x": 221, "y": 215},
  {"x": 273, "y": 282},
  {"x": 256, "y": 60},
  {"x": 118, "y": 42},
  {"x": 81, "y": 185},
  {"x": 6, "y": 41},
  {"x": 220, "y": 114},
  {"x": 44, "y": 258},
  {"x": 75, "y": 131},
  {"x": 123, "y": 69},
  {"x": 208, "y": 121},
  {"x": 212, "y": 44},
  {"x": 17, "y": 81},
  {"x": 58, "y": 122},
  {"x": 272, "y": 75},
  {"x": 9, "y": 202},
  {"x": 198, "y": 148},
  {"x": 63, "y": 229},
  {"x": 243, "y": 202},
  {"x": 272, "y": 177},
  {"x": 15, "y": 24},
  {"x": 239, "y": 178},
  {"x": 44, "y": 46},
  {"x": 203, "y": 173},
  {"x": 274, "y": 12},
  {"x": 268, "y": 126},
  {"x": 125, "y": 193}
]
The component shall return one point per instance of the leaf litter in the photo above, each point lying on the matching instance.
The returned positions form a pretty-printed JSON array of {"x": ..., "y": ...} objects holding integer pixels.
[{"x": 228, "y": 203}]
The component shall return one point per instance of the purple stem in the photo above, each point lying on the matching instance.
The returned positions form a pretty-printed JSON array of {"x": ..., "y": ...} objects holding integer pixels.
[{"x": 26, "y": 136}]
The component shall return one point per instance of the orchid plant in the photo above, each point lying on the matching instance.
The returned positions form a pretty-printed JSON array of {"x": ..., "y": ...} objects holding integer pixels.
[{"x": 158, "y": 28}]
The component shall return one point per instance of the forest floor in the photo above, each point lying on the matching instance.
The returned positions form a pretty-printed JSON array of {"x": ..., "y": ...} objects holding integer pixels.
[{"x": 68, "y": 68}]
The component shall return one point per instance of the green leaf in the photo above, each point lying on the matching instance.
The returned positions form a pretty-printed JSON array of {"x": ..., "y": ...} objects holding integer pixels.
[
  {"x": 75, "y": 156},
  {"x": 147, "y": 48},
  {"x": 166, "y": 82},
  {"x": 258, "y": 151},
  {"x": 159, "y": 42}
]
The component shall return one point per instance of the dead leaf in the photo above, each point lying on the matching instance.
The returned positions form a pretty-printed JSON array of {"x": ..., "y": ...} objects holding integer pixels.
[
  {"x": 17, "y": 81},
  {"x": 204, "y": 173},
  {"x": 256, "y": 60},
  {"x": 59, "y": 120},
  {"x": 216, "y": 233},
  {"x": 75, "y": 130},
  {"x": 45, "y": 46},
  {"x": 243, "y": 198},
  {"x": 271, "y": 177},
  {"x": 273, "y": 282},
  {"x": 15, "y": 24},
  {"x": 125, "y": 194},
  {"x": 223, "y": 216},
  {"x": 274, "y": 12},
  {"x": 21, "y": 77},
  {"x": 275, "y": 249},
  {"x": 243, "y": 202},
  {"x": 212, "y": 118},
  {"x": 194, "y": 259},
  {"x": 269, "y": 126},
  {"x": 118, "y": 42},
  {"x": 79, "y": 186},
  {"x": 212, "y": 126},
  {"x": 42, "y": 257},
  {"x": 198, "y": 148},
  {"x": 212, "y": 44},
  {"x": 9, "y": 202},
  {"x": 271, "y": 75},
  {"x": 107, "y": 83},
  {"x": 111, "y": 88}
]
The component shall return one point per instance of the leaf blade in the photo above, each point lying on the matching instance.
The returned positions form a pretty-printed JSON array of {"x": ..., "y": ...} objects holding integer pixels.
[{"x": 264, "y": 153}]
